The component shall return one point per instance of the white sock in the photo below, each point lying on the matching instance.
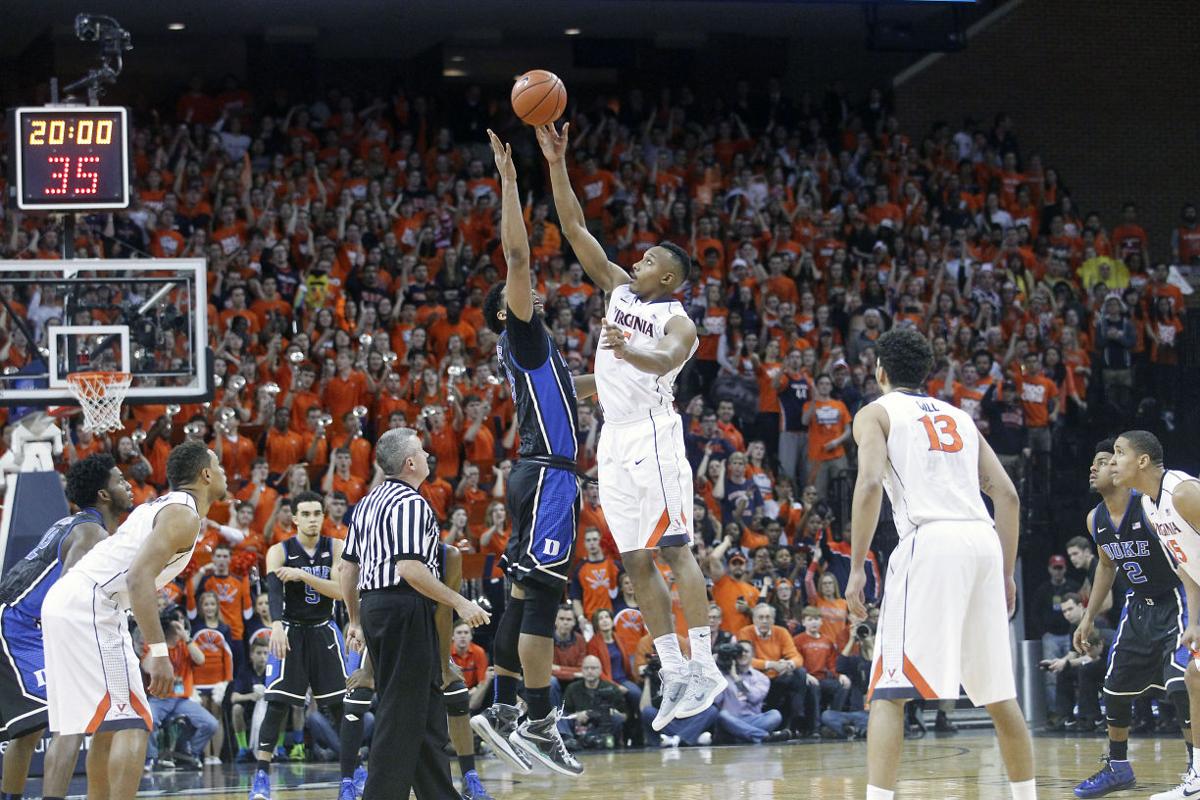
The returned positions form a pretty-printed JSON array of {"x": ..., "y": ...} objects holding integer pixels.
[
  {"x": 875, "y": 793},
  {"x": 700, "y": 640},
  {"x": 1025, "y": 790},
  {"x": 669, "y": 654}
]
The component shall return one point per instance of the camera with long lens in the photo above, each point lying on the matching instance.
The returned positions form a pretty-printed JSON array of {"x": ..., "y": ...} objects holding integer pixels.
[
  {"x": 727, "y": 654},
  {"x": 864, "y": 630}
]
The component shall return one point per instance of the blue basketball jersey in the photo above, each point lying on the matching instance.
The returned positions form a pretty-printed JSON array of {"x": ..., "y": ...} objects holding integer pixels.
[{"x": 25, "y": 585}]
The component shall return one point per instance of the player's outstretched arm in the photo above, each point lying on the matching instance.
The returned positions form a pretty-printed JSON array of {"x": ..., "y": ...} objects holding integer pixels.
[
  {"x": 175, "y": 530},
  {"x": 518, "y": 287},
  {"x": 588, "y": 250},
  {"x": 672, "y": 350},
  {"x": 870, "y": 433}
]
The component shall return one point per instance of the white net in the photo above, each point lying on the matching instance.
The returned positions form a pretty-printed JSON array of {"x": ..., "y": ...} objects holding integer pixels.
[{"x": 100, "y": 395}]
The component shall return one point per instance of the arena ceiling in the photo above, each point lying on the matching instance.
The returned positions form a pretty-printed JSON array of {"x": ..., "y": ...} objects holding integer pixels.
[{"x": 409, "y": 26}]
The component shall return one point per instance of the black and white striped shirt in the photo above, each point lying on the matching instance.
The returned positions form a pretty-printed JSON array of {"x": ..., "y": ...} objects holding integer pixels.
[{"x": 392, "y": 523}]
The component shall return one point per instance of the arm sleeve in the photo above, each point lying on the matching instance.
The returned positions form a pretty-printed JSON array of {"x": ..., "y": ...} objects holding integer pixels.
[
  {"x": 275, "y": 596},
  {"x": 529, "y": 341}
]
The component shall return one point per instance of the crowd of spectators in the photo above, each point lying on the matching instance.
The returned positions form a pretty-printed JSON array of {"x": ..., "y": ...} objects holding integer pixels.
[{"x": 349, "y": 241}]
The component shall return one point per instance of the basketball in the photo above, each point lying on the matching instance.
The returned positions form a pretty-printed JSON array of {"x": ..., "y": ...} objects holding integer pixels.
[{"x": 539, "y": 97}]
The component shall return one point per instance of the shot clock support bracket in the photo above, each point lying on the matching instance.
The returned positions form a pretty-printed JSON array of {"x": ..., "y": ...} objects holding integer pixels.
[{"x": 114, "y": 41}]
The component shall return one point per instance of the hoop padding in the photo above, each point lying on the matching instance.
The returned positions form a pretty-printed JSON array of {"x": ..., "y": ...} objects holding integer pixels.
[{"x": 100, "y": 395}]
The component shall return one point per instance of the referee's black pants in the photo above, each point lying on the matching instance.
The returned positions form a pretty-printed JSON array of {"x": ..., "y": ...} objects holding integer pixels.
[{"x": 408, "y": 746}]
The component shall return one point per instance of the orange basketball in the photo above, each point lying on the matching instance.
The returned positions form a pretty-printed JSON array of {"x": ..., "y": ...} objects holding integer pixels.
[{"x": 539, "y": 97}]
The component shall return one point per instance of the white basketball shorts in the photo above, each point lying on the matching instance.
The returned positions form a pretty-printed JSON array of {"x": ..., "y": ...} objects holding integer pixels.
[
  {"x": 93, "y": 677},
  {"x": 944, "y": 619},
  {"x": 645, "y": 482}
]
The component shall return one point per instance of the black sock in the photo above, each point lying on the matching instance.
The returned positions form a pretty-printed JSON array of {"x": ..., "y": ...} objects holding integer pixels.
[
  {"x": 1118, "y": 751},
  {"x": 506, "y": 689},
  {"x": 265, "y": 766},
  {"x": 350, "y": 739},
  {"x": 538, "y": 701},
  {"x": 1189, "y": 747},
  {"x": 466, "y": 764}
]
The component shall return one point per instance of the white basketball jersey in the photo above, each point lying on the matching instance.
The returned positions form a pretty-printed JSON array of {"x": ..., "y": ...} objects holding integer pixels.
[
  {"x": 1179, "y": 538},
  {"x": 933, "y": 463},
  {"x": 108, "y": 562},
  {"x": 626, "y": 393}
]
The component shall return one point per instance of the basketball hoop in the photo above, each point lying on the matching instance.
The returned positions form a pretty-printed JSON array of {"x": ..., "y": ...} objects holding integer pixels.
[{"x": 100, "y": 395}]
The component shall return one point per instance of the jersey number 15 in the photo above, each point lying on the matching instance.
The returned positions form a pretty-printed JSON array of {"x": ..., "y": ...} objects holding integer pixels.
[{"x": 943, "y": 433}]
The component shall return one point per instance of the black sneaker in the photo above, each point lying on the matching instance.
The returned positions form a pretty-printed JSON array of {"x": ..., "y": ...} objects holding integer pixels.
[
  {"x": 943, "y": 724},
  {"x": 494, "y": 727},
  {"x": 543, "y": 744}
]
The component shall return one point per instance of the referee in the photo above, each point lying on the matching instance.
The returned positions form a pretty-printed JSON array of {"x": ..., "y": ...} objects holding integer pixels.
[{"x": 391, "y": 581}]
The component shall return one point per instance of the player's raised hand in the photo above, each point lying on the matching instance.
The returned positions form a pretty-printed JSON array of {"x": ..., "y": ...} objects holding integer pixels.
[
  {"x": 854, "y": 592},
  {"x": 503, "y": 154},
  {"x": 552, "y": 141},
  {"x": 613, "y": 338}
]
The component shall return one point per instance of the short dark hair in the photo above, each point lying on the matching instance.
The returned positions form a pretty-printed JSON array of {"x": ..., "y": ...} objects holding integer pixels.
[
  {"x": 185, "y": 463},
  {"x": 306, "y": 497},
  {"x": 226, "y": 546},
  {"x": 493, "y": 303},
  {"x": 1103, "y": 446},
  {"x": 1145, "y": 443},
  {"x": 682, "y": 258},
  {"x": 86, "y": 478},
  {"x": 906, "y": 357},
  {"x": 1073, "y": 597},
  {"x": 1080, "y": 543}
]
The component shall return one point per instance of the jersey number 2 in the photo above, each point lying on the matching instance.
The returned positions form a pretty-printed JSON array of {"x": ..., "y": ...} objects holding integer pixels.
[{"x": 943, "y": 433}]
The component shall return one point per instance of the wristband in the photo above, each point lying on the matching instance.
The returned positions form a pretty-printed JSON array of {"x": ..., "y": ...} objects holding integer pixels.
[{"x": 159, "y": 650}]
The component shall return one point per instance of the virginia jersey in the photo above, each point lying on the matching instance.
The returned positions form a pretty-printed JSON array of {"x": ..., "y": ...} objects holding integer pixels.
[
  {"x": 108, "y": 562},
  {"x": 544, "y": 399},
  {"x": 626, "y": 393},
  {"x": 301, "y": 602},
  {"x": 25, "y": 585},
  {"x": 933, "y": 463},
  {"x": 1180, "y": 539},
  {"x": 1134, "y": 548}
]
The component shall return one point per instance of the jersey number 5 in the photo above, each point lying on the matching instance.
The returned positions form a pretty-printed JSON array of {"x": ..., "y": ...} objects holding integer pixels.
[{"x": 943, "y": 433}]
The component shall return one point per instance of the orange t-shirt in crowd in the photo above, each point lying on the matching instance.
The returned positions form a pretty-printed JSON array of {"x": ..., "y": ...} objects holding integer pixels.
[
  {"x": 237, "y": 456},
  {"x": 820, "y": 654},
  {"x": 473, "y": 664},
  {"x": 334, "y": 530},
  {"x": 343, "y": 394},
  {"x": 218, "y": 658},
  {"x": 594, "y": 584},
  {"x": 444, "y": 445},
  {"x": 360, "y": 455},
  {"x": 778, "y": 646},
  {"x": 725, "y": 593},
  {"x": 439, "y": 493},
  {"x": 828, "y": 422},
  {"x": 835, "y": 616},
  {"x": 629, "y": 628},
  {"x": 233, "y": 596},
  {"x": 352, "y": 487},
  {"x": 1036, "y": 394},
  {"x": 283, "y": 449}
]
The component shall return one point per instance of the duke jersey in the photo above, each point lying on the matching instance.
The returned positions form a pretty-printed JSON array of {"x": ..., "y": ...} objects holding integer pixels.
[
  {"x": 933, "y": 463},
  {"x": 301, "y": 602},
  {"x": 25, "y": 585},
  {"x": 626, "y": 393},
  {"x": 544, "y": 399},
  {"x": 1134, "y": 548},
  {"x": 108, "y": 562},
  {"x": 1181, "y": 540}
]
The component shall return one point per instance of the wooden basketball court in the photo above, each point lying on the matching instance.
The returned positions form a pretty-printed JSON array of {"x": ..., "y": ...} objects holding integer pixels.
[{"x": 964, "y": 766}]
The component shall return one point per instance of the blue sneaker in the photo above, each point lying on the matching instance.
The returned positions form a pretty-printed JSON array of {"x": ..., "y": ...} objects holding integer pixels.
[
  {"x": 360, "y": 780},
  {"x": 347, "y": 790},
  {"x": 260, "y": 787},
  {"x": 472, "y": 787},
  {"x": 1112, "y": 777}
]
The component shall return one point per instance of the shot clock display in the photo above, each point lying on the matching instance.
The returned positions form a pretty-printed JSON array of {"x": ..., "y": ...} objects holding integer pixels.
[{"x": 70, "y": 158}]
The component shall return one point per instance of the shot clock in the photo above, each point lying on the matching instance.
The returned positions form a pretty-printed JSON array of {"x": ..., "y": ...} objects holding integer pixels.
[{"x": 70, "y": 158}]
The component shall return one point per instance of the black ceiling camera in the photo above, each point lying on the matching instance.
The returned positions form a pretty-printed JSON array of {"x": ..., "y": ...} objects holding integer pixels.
[{"x": 113, "y": 40}]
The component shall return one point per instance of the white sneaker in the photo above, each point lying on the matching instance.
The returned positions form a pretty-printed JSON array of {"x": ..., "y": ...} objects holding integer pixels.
[
  {"x": 704, "y": 687},
  {"x": 675, "y": 687},
  {"x": 704, "y": 739},
  {"x": 1189, "y": 789},
  {"x": 669, "y": 741},
  {"x": 211, "y": 761}
]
